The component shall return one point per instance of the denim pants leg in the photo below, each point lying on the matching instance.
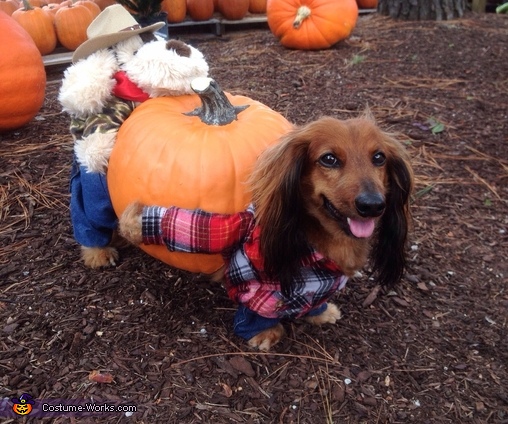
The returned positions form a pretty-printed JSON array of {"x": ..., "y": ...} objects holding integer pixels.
[{"x": 92, "y": 215}]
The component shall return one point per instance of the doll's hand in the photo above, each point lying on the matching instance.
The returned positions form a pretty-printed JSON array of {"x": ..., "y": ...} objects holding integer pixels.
[{"x": 130, "y": 223}]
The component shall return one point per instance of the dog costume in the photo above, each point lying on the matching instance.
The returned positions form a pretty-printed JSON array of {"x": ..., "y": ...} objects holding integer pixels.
[
  {"x": 261, "y": 301},
  {"x": 120, "y": 65}
]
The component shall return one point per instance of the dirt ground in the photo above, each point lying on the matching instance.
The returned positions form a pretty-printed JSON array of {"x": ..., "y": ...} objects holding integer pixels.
[{"x": 433, "y": 350}]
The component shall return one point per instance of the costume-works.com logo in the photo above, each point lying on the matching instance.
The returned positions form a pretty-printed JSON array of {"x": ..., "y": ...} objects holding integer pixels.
[{"x": 23, "y": 404}]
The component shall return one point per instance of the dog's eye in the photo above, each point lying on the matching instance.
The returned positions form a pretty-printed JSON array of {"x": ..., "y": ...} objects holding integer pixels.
[
  {"x": 379, "y": 159},
  {"x": 329, "y": 161}
]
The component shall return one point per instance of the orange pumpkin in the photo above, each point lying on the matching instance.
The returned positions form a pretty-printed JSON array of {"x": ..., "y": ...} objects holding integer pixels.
[
  {"x": 166, "y": 156},
  {"x": 176, "y": 10},
  {"x": 38, "y": 24},
  {"x": 38, "y": 3},
  {"x": 23, "y": 81},
  {"x": 52, "y": 8},
  {"x": 71, "y": 23},
  {"x": 105, "y": 3},
  {"x": 367, "y": 4},
  {"x": 233, "y": 10},
  {"x": 257, "y": 6},
  {"x": 9, "y": 6},
  {"x": 90, "y": 5},
  {"x": 200, "y": 10},
  {"x": 311, "y": 24}
]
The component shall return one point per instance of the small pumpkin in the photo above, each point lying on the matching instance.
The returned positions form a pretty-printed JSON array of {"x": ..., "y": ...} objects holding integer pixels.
[
  {"x": 367, "y": 4},
  {"x": 200, "y": 10},
  {"x": 93, "y": 7},
  {"x": 176, "y": 10},
  {"x": 105, "y": 3},
  {"x": 38, "y": 3},
  {"x": 172, "y": 151},
  {"x": 257, "y": 6},
  {"x": 233, "y": 10},
  {"x": 311, "y": 24},
  {"x": 38, "y": 24},
  {"x": 71, "y": 22},
  {"x": 23, "y": 77},
  {"x": 9, "y": 6}
]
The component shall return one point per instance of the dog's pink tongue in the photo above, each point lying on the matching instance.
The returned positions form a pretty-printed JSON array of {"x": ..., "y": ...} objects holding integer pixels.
[{"x": 363, "y": 228}]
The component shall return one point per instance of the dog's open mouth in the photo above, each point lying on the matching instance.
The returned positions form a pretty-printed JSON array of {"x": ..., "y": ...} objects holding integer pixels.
[{"x": 360, "y": 228}]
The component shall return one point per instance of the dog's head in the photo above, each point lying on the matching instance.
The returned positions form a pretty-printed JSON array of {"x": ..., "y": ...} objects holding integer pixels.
[{"x": 344, "y": 187}]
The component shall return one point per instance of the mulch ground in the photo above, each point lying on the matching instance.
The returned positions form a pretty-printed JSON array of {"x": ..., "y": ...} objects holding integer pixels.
[{"x": 432, "y": 350}]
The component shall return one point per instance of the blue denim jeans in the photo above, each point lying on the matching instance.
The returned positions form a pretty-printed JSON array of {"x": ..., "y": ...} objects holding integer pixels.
[
  {"x": 92, "y": 215},
  {"x": 247, "y": 324}
]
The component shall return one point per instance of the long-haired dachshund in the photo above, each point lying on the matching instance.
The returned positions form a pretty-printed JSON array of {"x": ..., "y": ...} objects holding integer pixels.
[{"x": 326, "y": 197}]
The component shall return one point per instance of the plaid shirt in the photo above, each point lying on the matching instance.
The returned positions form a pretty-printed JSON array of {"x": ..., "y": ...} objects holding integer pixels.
[{"x": 236, "y": 237}]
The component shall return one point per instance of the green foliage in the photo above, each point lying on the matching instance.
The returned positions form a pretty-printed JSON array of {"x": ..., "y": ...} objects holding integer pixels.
[
  {"x": 436, "y": 127},
  {"x": 424, "y": 191},
  {"x": 357, "y": 59},
  {"x": 503, "y": 8}
]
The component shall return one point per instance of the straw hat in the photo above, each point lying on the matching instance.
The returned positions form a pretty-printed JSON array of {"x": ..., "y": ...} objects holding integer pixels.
[{"x": 112, "y": 25}]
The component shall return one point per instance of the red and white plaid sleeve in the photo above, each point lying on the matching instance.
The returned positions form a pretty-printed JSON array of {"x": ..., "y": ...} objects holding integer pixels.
[{"x": 194, "y": 231}]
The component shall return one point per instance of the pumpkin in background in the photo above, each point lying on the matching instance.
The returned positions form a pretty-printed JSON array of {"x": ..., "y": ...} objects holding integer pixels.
[
  {"x": 233, "y": 9},
  {"x": 176, "y": 10},
  {"x": 9, "y": 6},
  {"x": 38, "y": 24},
  {"x": 171, "y": 151},
  {"x": 200, "y": 10},
  {"x": 51, "y": 9},
  {"x": 22, "y": 75},
  {"x": 105, "y": 3},
  {"x": 311, "y": 24},
  {"x": 90, "y": 5},
  {"x": 257, "y": 6},
  {"x": 71, "y": 22},
  {"x": 367, "y": 4}
]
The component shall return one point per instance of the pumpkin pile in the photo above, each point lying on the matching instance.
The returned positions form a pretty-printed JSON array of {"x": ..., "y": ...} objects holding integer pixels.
[
  {"x": 23, "y": 81},
  {"x": 50, "y": 24},
  {"x": 202, "y": 10},
  {"x": 192, "y": 151}
]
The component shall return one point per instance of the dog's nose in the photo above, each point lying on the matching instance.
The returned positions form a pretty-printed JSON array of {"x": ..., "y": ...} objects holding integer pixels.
[{"x": 370, "y": 204}]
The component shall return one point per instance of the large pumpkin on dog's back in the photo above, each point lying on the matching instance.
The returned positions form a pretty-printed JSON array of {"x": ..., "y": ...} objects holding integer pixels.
[{"x": 165, "y": 156}]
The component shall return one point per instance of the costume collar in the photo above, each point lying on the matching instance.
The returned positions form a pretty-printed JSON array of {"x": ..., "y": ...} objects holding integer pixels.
[{"x": 128, "y": 90}]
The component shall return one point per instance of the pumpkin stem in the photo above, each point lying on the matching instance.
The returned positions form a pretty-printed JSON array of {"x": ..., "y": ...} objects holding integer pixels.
[
  {"x": 27, "y": 5},
  {"x": 215, "y": 107},
  {"x": 302, "y": 13}
]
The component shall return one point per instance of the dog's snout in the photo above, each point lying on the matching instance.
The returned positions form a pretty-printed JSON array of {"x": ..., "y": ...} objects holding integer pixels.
[{"x": 370, "y": 204}]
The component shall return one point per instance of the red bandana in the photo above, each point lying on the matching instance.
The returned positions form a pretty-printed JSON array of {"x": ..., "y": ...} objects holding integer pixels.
[{"x": 127, "y": 90}]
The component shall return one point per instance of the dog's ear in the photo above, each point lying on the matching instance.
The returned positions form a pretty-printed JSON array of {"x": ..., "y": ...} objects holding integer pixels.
[
  {"x": 277, "y": 196},
  {"x": 389, "y": 256}
]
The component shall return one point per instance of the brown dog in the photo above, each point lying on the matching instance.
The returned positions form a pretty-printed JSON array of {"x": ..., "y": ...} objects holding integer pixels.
[{"x": 326, "y": 197}]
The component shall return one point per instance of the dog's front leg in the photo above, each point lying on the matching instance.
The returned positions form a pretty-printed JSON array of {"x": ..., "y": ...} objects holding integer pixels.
[
  {"x": 329, "y": 316},
  {"x": 267, "y": 338}
]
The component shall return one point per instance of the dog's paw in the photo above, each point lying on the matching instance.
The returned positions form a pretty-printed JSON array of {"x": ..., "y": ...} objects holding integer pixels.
[
  {"x": 97, "y": 257},
  {"x": 330, "y": 316},
  {"x": 267, "y": 338},
  {"x": 130, "y": 224}
]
